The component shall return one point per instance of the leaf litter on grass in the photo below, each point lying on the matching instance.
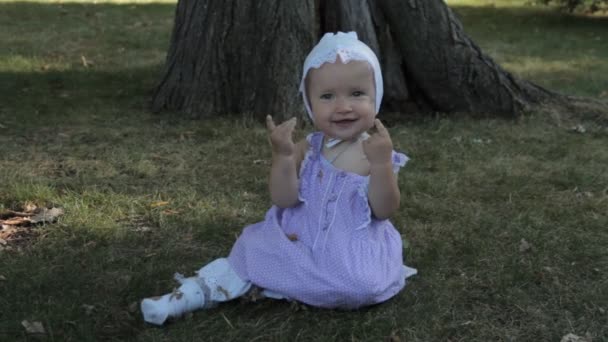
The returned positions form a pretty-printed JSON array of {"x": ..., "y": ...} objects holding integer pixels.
[
  {"x": 33, "y": 327},
  {"x": 19, "y": 226}
]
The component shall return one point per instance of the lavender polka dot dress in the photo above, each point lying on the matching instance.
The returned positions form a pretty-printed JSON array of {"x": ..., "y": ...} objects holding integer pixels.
[{"x": 342, "y": 257}]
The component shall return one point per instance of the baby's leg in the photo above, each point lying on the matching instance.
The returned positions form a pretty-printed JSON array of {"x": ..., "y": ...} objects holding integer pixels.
[{"x": 216, "y": 282}]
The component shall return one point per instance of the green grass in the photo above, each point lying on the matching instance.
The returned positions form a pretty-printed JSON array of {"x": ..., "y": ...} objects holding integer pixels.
[
  {"x": 561, "y": 52},
  {"x": 81, "y": 137}
]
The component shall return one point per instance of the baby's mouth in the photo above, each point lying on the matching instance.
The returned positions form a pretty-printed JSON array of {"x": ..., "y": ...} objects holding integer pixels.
[{"x": 344, "y": 121}]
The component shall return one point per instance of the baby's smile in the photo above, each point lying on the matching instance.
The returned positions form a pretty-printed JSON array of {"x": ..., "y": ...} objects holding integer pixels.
[{"x": 344, "y": 122}]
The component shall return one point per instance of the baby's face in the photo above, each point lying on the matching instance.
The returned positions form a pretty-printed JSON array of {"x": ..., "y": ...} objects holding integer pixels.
[{"x": 342, "y": 98}]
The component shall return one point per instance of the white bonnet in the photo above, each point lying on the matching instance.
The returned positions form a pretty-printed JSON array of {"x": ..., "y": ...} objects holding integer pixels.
[{"x": 349, "y": 47}]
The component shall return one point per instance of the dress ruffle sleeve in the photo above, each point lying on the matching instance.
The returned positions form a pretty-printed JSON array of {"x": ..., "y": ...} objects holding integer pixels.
[{"x": 399, "y": 161}]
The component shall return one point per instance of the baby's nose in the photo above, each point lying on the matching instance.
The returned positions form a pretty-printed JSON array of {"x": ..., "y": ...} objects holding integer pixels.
[{"x": 343, "y": 105}]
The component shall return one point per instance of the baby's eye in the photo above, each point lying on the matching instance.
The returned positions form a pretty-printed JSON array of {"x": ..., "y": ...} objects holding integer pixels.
[
  {"x": 358, "y": 93},
  {"x": 326, "y": 96}
]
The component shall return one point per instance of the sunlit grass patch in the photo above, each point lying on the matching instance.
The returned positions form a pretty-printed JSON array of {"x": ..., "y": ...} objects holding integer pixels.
[
  {"x": 550, "y": 48},
  {"x": 562, "y": 72},
  {"x": 25, "y": 64}
]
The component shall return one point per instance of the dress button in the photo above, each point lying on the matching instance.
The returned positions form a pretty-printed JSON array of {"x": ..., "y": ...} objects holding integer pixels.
[
  {"x": 333, "y": 197},
  {"x": 342, "y": 174}
]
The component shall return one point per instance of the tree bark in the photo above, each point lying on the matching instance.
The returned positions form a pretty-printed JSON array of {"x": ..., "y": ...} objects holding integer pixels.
[
  {"x": 452, "y": 72},
  {"x": 236, "y": 57}
]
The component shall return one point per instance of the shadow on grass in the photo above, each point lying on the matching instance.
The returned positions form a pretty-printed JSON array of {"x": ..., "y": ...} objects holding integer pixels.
[
  {"x": 65, "y": 94},
  {"x": 43, "y": 73}
]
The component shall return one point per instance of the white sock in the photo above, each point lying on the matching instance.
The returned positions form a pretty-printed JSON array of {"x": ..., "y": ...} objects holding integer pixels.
[{"x": 187, "y": 298}]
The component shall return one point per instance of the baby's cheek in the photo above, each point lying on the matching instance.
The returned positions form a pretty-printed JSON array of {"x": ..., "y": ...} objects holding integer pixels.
[{"x": 369, "y": 119}]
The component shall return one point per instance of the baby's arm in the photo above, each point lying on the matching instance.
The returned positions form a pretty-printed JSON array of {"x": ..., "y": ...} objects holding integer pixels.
[
  {"x": 286, "y": 158},
  {"x": 383, "y": 192}
]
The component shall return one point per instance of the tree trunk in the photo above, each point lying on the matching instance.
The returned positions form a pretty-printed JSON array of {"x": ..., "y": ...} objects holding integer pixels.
[
  {"x": 452, "y": 72},
  {"x": 236, "y": 57}
]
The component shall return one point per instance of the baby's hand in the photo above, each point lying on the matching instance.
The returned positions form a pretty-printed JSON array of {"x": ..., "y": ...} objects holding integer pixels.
[
  {"x": 281, "y": 136},
  {"x": 378, "y": 148}
]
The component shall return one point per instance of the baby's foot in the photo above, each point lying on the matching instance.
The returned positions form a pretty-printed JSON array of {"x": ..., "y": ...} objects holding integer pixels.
[
  {"x": 156, "y": 309},
  {"x": 187, "y": 298}
]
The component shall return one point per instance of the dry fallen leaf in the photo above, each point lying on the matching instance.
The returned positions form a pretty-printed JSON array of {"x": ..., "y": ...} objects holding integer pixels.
[
  {"x": 253, "y": 295},
  {"x": 133, "y": 307},
  {"x": 394, "y": 337},
  {"x": 579, "y": 129},
  {"x": 33, "y": 327},
  {"x": 86, "y": 63},
  {"x": 170, "y": 212},
  {"x": 10, "y": 233},
  {"x": 573, "y": 338},
  {"x": 524, "y": 245},
  {"x": 88, "y": 309},
  {"x": 297, "y": 306},
  {"x": 159, "y": 204},
  {"x": 17, "y": 225},
  {"x": 227, "y": 321},
  {"x": 29, "y": 206},
  {"x": 16, "y": 221},
  {"x": 46, "y": 215}
]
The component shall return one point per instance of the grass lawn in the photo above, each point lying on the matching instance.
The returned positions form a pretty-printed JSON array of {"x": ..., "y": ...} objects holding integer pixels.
[{"x": 506, "y": 221}]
